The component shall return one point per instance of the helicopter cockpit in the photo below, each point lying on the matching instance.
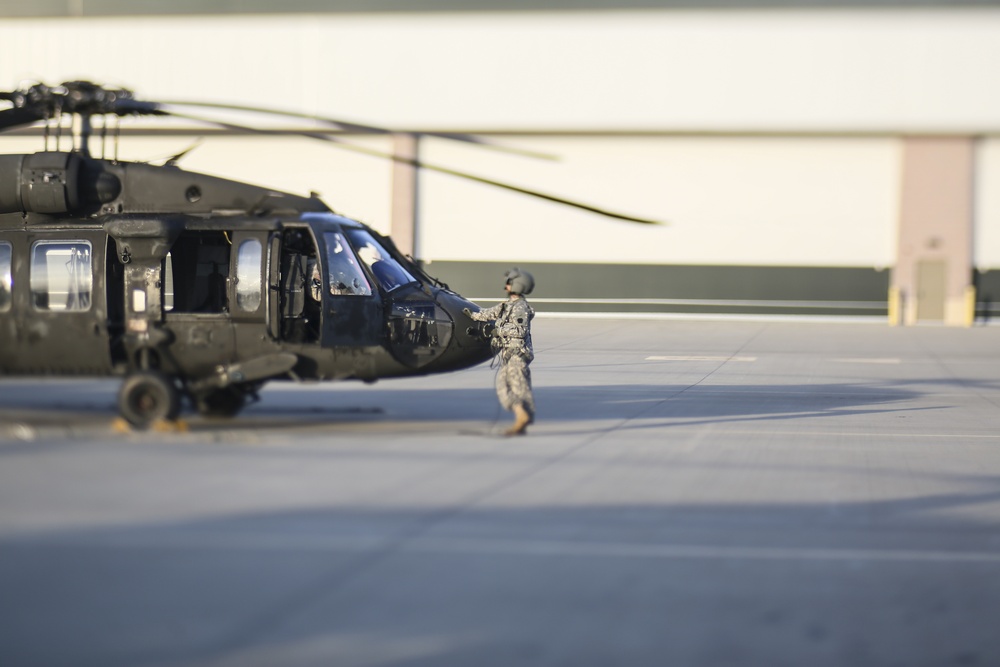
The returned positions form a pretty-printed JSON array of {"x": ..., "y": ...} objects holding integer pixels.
[
  {"x": 366, "y": 282},
  {"x": 344, "y": 273},
  {"x": 388, "y": 272}
]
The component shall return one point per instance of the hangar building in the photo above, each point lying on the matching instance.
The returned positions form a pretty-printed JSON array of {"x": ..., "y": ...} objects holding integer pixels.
[{"x": 809, "y": 156}]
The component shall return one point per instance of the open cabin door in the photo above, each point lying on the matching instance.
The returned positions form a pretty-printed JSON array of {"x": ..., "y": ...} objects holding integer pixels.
[
  {"x": 294, "y": 312},
  {"x": 318, "y": 291},
  {"x": 198, "y": 300}
]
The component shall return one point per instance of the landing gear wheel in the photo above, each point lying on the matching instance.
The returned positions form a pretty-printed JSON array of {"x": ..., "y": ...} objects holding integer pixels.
[
  {"x": 221, "y": 402},
  {"x": 146, "y": 397}
]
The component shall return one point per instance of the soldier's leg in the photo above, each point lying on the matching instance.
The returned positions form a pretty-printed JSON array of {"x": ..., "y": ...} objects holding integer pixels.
[
  {"x": 503, "y": 385},
  {"x": 519, "y": 384},
  {"x": 518, "y": 387},
  {"x": 528, "y": 395}
]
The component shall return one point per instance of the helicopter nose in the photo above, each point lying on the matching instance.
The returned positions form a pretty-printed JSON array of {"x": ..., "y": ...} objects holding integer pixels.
[{"x": 469, "y": 344}]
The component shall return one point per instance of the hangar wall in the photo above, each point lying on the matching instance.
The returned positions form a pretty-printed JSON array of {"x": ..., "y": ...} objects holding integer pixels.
[
  {"x": 797, "y": 69},
  {"x": 770, "y": 140}
]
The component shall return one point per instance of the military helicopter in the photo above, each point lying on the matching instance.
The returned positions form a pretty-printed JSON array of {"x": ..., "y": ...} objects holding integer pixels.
[{"x": 194, "y": 287}]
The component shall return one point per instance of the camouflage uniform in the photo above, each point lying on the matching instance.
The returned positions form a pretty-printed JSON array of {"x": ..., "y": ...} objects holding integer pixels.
[{"x": 512, "y": 344}]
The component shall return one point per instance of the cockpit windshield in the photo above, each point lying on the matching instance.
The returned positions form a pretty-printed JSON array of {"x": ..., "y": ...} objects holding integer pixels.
[
  {"x": 389, "y": 273},
  {"x": 345, "y": 275}
]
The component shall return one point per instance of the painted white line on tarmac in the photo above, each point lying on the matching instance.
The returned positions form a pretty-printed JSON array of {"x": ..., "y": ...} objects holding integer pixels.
[
  {"x": 869, "y": 360},
  {"x": 708, "y": 317},
  {"x": 869, "y": 435},
  {"x": 843, "y": 360},
  {"x": 695, "y": 357}
]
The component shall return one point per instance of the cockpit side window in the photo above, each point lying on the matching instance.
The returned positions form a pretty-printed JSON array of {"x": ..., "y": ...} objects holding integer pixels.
[
  {"x": 389, "y": 273},
  {"x": 61, "y": 275},
  {"x": 6, "y": 280},
  {"x": 344, "y": 274}
]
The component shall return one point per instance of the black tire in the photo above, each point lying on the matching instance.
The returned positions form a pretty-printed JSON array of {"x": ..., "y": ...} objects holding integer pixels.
[
  {"x": 146, "y": 397},
  {"x": 221, "y": 403}
]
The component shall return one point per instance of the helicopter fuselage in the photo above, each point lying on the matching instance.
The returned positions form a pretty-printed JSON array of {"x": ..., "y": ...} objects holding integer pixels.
[{"x": 206, "y": 286}]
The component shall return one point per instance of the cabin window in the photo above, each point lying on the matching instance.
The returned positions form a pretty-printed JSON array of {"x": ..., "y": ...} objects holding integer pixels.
[
  {"x": 6, "y": 280},
  {"x": 389, "y": 273},
  {"x": 344, "y": 275},
  {"x": 197, "y": 273},
  {"x": 61, "y": 275},
  {"x": 248, "y": 290}
]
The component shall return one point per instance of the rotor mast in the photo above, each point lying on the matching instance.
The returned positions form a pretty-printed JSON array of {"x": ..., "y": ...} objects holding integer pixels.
[{"x": 80, "y": 99}]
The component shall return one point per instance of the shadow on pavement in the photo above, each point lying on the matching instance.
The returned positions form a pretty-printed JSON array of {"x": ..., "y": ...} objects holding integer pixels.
[{"x": 91, "y": 405}]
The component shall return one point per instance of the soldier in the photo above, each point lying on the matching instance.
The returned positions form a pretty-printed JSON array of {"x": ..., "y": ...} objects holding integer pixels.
[{"x": 512, "y": 344}]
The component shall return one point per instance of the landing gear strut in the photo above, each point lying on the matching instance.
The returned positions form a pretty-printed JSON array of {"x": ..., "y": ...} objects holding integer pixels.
[{"x": 225, "y": 402}]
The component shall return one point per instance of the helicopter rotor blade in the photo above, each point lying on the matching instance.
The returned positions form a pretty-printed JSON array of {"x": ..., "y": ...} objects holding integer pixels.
[
  {"x": 424, "y": 165},
  {"x": 365, "y": 129},
  {"x": 83, "y": 98},
  {"x": 492, "y": 145},
  {"x": 18, "y": 116}
]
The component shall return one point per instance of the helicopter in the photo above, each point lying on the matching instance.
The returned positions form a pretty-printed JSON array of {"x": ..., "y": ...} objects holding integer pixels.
[{"x": 196, "y": 288}]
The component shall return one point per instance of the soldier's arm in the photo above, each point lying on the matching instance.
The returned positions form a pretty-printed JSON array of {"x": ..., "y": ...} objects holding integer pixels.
[{"x": 487, "y": 315}]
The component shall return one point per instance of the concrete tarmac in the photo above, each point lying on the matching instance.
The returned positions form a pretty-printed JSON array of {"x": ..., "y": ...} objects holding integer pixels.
[{"x": 695, "y": 493}]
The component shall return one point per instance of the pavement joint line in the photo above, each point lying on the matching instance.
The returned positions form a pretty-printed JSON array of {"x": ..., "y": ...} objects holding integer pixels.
[
  {"x": 681, "y": 551},
  {"x": 537, "y": 548},
  {"x": 30, "y": 433}
]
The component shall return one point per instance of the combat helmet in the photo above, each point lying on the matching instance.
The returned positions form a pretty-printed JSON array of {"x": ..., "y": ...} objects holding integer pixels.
[{"x": 521, "y": 282}]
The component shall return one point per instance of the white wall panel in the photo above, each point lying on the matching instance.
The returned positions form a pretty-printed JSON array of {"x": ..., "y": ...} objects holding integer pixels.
[
  {"x": 986, "y": 233},
  {"x": 912, "y": 70},
  {"x": 729, "y": 200}
]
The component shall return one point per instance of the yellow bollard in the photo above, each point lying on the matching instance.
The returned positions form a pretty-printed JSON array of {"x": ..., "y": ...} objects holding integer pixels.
[
  {"x": 895, "y": 306},
  {"x": 970, "y": 305}
]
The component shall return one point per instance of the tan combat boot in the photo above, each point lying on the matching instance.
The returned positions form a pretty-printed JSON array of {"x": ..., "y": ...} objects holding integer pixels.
[{"x": 521, "y": 421}]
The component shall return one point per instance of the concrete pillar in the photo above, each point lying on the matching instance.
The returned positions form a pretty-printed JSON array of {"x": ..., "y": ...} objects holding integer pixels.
[
  {"x": 932, "y": 279},
  {"x": 404, "y": 228}
]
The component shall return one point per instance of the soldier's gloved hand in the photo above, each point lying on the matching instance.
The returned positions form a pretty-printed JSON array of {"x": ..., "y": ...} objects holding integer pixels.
[{"x": 467, "y": 312}]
